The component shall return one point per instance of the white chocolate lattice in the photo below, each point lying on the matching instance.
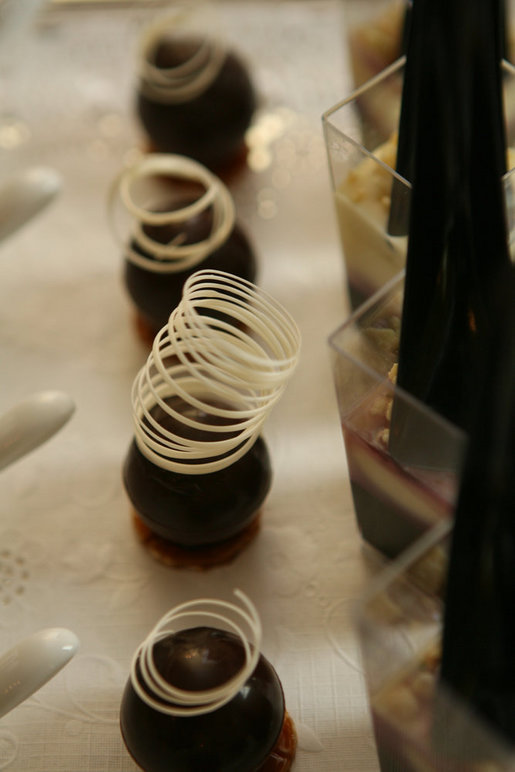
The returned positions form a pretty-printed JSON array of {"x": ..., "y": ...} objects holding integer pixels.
[
  {"x": 174, "y": 255},
  {"x": 163, "y": 696},
  {"x": 185, "y": 81},
  {"x": 232, "y": 368}
]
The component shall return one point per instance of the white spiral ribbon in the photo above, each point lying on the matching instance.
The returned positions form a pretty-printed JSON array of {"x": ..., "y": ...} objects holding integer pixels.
[
  {"x": 171, "y": 171},
  {"x": 155, "y": 691},
  {"x": 188, "y": 80},
  {"x": 226, "y": 356}
]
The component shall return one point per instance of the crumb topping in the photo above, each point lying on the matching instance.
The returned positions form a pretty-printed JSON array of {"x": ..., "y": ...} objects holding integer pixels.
[
  {"x": 371, "y": 182},
  {"x": 382, "y": 407}
]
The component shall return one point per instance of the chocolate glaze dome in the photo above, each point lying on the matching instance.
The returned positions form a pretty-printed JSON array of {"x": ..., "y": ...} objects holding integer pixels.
[
  {"x": 171, "y": 215},
  {"x": 156, "y": 295},
  {"x": 197, "y": 470},
  {"x": 198, "y": 510},
  {"x": 194, "y": 97},
  {"x": 237, "y": 736},
  {"x": 203, "y": 698}
]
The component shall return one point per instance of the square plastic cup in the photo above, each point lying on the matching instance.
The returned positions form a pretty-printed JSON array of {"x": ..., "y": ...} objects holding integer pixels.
[
  {"x": 371, "y": 199},
  {"x": 419, "y": 726},
  {"x": 402, "y": 487},
  {"x": 361, "y": 143}
]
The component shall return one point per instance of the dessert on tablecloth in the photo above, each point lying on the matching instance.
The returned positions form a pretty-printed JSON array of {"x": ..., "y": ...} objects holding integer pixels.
[
  {"x": 194, "y": 94},
  {"x": 198, "y": 469},
  {"x": 172, "y": 216},
  {"x": 373, "y": 256},
  {"x": 201, "y": 696},
  {"x": 395, "y": 499}
]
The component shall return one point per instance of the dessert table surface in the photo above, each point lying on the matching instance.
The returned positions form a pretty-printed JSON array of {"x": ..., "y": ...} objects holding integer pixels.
[{"x": 68, "y": 554}]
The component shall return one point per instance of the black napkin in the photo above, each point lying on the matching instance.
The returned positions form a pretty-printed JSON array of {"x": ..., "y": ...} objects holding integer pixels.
[
  {"x": 457, "y": 230},
  {"x": 478, "y": 654}
]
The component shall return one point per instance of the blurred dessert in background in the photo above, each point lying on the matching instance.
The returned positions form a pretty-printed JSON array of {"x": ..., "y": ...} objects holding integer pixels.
[
  {"x": 198, "y": 470},
  {"x": 375, "y": 35},
  {"x": 172, "y": 216},
  {"x": 194, "y": 95},
  {"x": 363, "y": 200}
]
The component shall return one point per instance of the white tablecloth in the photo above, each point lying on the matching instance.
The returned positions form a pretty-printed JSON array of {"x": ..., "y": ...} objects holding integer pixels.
[{"x": 68, "y": 554}]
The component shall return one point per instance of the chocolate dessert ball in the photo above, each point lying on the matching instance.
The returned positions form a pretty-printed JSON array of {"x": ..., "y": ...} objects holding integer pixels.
[
  {"x": 198, "y": 470},
  {"x": 172, "y": 216},
  {"x": 237, "y": 737},
  {"x": 203, "y": 698},
  {"x": 194, "y": 98},
  {"x": 197, "y": 510},
  {"x": 156, "y": 294}
]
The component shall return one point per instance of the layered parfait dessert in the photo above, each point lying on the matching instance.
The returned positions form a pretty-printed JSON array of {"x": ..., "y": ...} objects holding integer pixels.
[
  {"x": 408, "y": 714},
  {"x": 373, "y": 256},
  {"x": 371, "y": 198},
  {"x": 363, "y": 182},
  {"x": 362, "y": 156},
  {"x": 374, "y": 38},
  {"x": 436, "y": 627},
  {"x": 419, "y": 724},
  {"x": 375, "y": 35},
  {"x": 395, "y": 499}
]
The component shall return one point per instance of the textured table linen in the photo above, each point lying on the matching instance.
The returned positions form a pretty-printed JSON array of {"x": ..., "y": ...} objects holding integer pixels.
[{"x": 68, "y": 554}]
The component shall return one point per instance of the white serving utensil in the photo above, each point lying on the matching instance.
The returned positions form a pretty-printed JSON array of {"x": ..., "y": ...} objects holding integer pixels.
[
  {"x": 32, "y": 662},
  {"x": 31, "y": 422},
  {"x": 24, "y": 195}
]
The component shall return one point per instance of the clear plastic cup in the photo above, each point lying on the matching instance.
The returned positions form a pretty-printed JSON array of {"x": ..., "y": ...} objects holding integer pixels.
[
  {"x": 399, "y": 494},
  {"x": 419, "y": 725}
]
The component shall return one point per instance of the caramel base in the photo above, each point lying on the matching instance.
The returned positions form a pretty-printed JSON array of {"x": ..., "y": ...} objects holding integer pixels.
[
  {"x": 200, "y": 558},
  {"x": 282, "y": 755},
  {"x": 145, "y": 332}
]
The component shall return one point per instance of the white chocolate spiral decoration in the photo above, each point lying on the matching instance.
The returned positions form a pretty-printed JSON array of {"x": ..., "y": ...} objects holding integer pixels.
[
  {"x": 163, "y": 696},
  {"x": 175, "y": 255},
  {"x": 185, "y": 81},
  {"x": 225, "y": 373}
]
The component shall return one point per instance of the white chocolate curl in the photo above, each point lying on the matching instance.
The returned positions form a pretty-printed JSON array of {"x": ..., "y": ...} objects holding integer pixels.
[
  {"x": 231, "y": 370},
  {"x": 185, "y": 81},
  {"x": 175, "y": 255},
  {"x": 163, "y": 696}
]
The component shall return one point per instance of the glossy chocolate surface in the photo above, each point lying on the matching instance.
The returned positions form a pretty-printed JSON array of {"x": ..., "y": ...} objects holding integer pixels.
[
  {"x": 155, "y": 295},
  {"x": 199, "y": 509},
  {"x": 209, "y": 128},
  {"x": 234, "y": 738}
]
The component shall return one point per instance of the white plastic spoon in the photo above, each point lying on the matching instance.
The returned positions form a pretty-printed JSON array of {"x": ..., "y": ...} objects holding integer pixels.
[
  {"x": 24, "y": 195},
  {"x": 32, "y": 662},
  {"x": 31, "y": 422}
]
